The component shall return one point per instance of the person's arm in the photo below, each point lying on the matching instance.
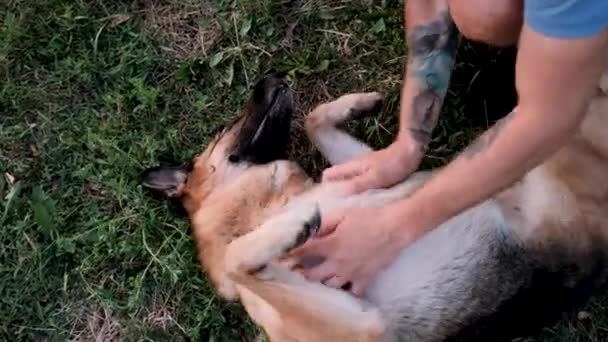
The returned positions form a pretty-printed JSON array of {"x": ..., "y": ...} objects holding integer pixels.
[
  {"x": 555, "y": 79},
  {"x": 432, "y": 40}
]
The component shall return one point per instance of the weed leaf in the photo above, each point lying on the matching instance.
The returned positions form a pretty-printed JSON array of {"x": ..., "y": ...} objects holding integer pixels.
[
  {"x": 229, "y": 75},
  {"x": 216, "y": 59},
  {"x": 379, "y": 26},
  {"x": 245, "y": 27},
  {"x": 10, "y": 197},
  {"x": 42, "y": 215},
  {"x": 322, "y": 66}
]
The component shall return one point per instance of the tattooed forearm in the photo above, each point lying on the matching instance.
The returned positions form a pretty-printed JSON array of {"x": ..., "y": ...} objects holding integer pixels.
[{"x": 432, "y": 52}]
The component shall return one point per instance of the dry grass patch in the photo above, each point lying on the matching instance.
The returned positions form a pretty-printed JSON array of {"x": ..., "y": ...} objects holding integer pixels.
[
  {"x": 97, "y": 324},
  {"x": 187, "y": 30}
]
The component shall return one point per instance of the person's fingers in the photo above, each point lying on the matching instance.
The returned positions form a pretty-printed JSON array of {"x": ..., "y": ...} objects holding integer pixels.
[
  {"x": 289, "y": 262},
  {"x": 335, "y": 282},
  {"x": 317, "y": 246},
  {"x": 320, "y": 273},
  {"x": 339, "y": 173},
  {"x": 329, "y": 223},
  {"x": 358, "y": 287},
  {"x": 342, "y": 172},
  {"x": 362, "y": 183}
]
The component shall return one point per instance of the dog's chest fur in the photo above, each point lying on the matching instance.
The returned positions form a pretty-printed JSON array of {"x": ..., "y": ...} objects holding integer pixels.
[{"x": 237, "y": 209}]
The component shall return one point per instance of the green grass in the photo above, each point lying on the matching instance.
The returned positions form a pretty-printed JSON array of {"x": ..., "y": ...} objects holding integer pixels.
[{"x": 94, "y": 91}]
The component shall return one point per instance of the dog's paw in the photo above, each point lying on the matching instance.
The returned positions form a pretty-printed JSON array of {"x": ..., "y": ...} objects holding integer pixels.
[
  {"x": 307, "y": 229},
  {"x": 365, "y": 104},
  {"x": 253, "y": 251}
]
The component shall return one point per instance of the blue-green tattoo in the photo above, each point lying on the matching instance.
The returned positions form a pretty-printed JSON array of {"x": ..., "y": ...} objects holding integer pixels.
[{"x": 432, "y": 51}]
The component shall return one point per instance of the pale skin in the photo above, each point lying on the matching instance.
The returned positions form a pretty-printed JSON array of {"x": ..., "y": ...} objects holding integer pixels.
[{"x": 555, "y": 79}]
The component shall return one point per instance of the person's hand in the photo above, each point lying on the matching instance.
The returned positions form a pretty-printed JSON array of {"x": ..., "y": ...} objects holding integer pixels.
[
  {"x": 378, "y": 169},
  {"x": 355, "y": 244}
]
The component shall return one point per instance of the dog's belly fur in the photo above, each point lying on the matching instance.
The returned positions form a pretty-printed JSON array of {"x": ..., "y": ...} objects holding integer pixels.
[
  {"x": 440, "y": 282},
  {"x": 473, "y": 280},
  {"x": 470, "y": 272}
]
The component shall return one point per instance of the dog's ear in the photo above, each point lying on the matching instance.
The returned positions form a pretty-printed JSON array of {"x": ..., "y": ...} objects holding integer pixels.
[{"x": 167, "y": 180}]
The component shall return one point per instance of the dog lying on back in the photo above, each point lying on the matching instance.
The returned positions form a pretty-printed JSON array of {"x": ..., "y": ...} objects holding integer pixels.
[{"x": 502, "y": 268}]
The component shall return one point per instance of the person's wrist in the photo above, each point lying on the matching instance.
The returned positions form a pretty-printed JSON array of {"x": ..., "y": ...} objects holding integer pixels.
[
  {"x": 404, "y": 222},
  {"x": 408, "y": 147},
  {"x": 394, "y": 223}
]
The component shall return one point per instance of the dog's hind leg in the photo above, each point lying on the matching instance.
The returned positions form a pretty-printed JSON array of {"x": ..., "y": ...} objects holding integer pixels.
[
  {"x": 336, "y": 145},
  {"x": 295, "y": 308},
  {"x": 309, "y": 312}
]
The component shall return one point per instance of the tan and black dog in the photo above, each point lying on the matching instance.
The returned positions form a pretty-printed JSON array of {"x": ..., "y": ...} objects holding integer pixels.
[{"x": 501, "y": 268}]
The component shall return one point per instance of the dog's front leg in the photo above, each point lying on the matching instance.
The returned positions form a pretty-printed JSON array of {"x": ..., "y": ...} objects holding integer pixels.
[
  {"x": 284, "y": 302},
  {"x": 253, "y": 252}
]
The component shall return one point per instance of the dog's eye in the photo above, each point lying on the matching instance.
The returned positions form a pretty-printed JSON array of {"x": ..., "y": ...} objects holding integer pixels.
[{"x": 233, "y": 158}]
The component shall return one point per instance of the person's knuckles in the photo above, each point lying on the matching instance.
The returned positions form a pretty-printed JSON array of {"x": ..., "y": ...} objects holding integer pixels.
[
  {"x": 352, "y": 173},
  {"x": 336, "y": 170},
  {"x": 337, "y": 175},
  {"x": 329, "y": 174},
  {"x": 363, "y": 183}
]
